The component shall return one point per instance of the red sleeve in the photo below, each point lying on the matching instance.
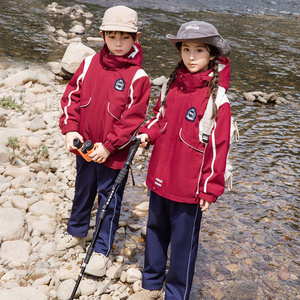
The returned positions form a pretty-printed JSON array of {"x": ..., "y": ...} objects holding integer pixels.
[
  {"x": 153, "y": 126},
  {"x": 212, "y": 182},
  {"x": 70, "y": 103},
  {"x": 133, "y": 116}
]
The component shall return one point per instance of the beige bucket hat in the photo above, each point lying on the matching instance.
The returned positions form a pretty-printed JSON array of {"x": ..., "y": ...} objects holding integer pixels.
[
  {"x": 120, "y": 18},
  {"x": 202, "y": 32}
]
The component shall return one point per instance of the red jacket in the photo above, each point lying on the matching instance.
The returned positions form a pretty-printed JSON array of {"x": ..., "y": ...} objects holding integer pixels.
[
  {"x": 106, "y": 101},
  {"x": 181, "y": 167}
]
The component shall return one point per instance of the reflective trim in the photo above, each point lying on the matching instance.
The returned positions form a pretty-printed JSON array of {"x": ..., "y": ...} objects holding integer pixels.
[
  {"x": 213, "y": 143},
  {"x": 87, "y": 103},
  {"x": 190, "y": 254},
  {"x": 181, "y": 138},
  {"x": 108, "y": 104}
]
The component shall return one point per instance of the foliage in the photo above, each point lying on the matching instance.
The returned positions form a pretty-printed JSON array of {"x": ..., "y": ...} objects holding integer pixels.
[
  {"x": 12, "y": 142},
  {"x": 9, "y": 103},
  {"x": 24, "y": 153}
]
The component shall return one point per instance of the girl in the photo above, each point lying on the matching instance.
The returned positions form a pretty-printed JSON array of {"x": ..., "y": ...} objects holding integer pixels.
[{"x": 186, "y": 171}]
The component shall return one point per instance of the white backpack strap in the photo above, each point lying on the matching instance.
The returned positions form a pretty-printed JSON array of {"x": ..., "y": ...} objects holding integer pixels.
[
  {"x": 162, "y": 97},
  {"x": 206, "y": 124},
  {"x": 234, "y": 131},
  {"x": 163, "y": 90}
]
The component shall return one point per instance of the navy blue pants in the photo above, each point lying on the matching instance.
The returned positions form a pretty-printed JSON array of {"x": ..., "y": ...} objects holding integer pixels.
[
  {"x": 178, "y": 225},
  {"x": 92, "y": 178}
]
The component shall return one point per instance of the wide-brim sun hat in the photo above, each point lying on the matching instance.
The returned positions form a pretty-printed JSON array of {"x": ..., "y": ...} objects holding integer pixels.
[
  {"x": 120, "y": 18},
  {"x": 199, "y": 31}
]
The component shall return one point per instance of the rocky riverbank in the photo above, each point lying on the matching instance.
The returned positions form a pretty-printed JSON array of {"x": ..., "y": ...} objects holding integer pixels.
[{"x": 37, "y": 187}]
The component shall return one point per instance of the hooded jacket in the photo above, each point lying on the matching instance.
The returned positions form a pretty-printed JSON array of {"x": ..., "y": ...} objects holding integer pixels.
[
  {"x": 182, "y": 168},
  {"x": 106, "y": 101}
]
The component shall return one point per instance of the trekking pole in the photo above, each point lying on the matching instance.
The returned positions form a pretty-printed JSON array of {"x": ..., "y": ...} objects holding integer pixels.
[{"x": 122, "y": 174}]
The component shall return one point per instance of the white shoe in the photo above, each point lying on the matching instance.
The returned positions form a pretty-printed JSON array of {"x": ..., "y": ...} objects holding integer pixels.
[
  {"x": 97, "y": 265},
  {"x": 66, "y": 241},
  {"x": 147, "y": 295}
]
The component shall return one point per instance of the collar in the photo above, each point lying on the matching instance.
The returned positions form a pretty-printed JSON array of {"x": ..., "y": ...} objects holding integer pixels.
[
  {"x": 133, "y": 57},
  {"x": 188, "y": 81}
]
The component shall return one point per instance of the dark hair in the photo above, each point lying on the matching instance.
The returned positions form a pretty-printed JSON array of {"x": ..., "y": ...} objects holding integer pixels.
[
  {"x": 133, "y": 34},
  {"x": 171, "y": 80},
  {"x": 213, "y": 83}
]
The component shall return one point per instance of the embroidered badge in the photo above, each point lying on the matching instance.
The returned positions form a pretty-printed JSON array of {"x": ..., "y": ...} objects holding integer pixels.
[
  {"x": 120, "y": 85},
  {"x": 191, "y": 114}
]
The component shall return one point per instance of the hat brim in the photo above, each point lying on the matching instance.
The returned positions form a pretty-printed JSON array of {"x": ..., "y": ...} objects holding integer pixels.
[
  {"x": 118, "y": 28},
  {"x": 216, "y": 41}
]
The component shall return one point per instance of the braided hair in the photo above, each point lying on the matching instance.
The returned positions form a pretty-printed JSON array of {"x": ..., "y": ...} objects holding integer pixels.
[
  {"x": 171, "y": 80},
  {"x": 213, "y": 83}
]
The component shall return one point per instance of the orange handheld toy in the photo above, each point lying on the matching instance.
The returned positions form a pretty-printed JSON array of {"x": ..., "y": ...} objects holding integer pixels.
[
  {"x": 88, "y": 147},
  {"x": 84, "y": 148}
]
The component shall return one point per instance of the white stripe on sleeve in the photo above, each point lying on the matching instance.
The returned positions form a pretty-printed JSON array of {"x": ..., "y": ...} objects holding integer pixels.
[
  {"x": 87, "y": 63},
  {"x": 139, "y": 73}
]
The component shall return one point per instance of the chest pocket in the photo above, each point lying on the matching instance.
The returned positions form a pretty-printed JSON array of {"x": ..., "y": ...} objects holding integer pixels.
[
  {"x": 188, "y": 133},
  {"x": 85, "y": 102},
  {"x": 114, "y": 111}
]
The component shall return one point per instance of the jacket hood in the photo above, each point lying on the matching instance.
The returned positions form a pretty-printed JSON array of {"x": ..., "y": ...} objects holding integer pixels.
[
  {"x": 133, "y": 57},
  {"x": 190, "y": 81}
]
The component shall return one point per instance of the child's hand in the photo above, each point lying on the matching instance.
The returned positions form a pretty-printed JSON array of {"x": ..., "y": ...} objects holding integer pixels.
[
  {"x": 204, "y": 204},
  {"x": 70, "y": 137},
  {"x": 144, "y": 137},
  {"x": 100, "y": 154}
]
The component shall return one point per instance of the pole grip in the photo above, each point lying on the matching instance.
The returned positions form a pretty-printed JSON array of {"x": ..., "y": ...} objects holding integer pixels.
[
  {"x": 134, "y": 146},
  {"x": 123, "y": 172}
]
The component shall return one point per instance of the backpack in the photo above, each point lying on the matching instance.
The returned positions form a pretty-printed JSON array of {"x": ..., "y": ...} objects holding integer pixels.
[{"x": 206, "y": 125}]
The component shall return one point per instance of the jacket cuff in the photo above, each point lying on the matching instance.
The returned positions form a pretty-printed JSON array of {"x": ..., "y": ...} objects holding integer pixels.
[
  {"x": 107, "y": 144},
  {"x": 208, "y": 197},
  {"x": 151, "y": 134},
  {"x": 68, "y": 128}
]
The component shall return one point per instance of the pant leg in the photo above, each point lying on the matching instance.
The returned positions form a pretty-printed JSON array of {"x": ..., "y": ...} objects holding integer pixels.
[
  {"x": 85, "y": 193},
  {"x": 105, "y": 180},
  {"x": 157, "y": 242},
  {"x": 185, "y": 219}
]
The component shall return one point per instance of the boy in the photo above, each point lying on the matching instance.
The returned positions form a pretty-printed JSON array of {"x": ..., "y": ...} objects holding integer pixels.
[{"x": 105, "y": 102}]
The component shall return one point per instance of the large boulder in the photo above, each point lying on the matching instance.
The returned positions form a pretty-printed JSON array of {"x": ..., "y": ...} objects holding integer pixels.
[
  {"x": 42, "y": 76},
  {"x": 11, "y": 224},
  {"x": 15, "y": 252},
  {"x": 73, "y": 57},
  {"x": 18, "y": 293}
]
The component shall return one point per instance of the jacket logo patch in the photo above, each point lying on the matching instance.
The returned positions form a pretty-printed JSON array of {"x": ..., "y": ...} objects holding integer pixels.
[
  {"x": 191, "y": 114},
  {"x": 120, "y": 85}
]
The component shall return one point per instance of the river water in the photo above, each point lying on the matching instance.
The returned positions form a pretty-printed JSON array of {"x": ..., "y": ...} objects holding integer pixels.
[{"x": 249, "y": 243}]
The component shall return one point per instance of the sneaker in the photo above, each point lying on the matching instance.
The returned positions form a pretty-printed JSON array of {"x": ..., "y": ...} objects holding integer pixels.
[
  {"x": 66, "y": 241},
  {"x": 97, "y": 265},
  {"x": 147, "y": 295}
]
